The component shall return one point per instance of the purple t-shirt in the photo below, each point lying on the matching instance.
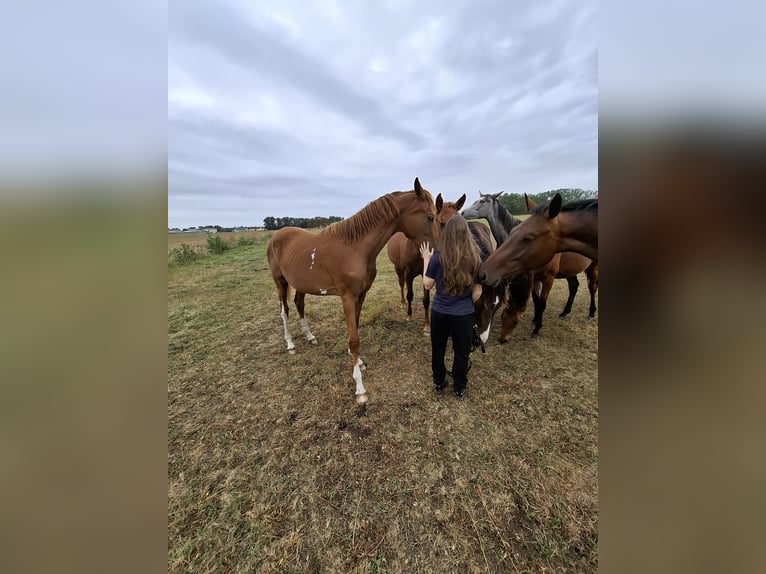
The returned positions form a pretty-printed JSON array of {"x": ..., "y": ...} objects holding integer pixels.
[{"x": 443, "y": 303}]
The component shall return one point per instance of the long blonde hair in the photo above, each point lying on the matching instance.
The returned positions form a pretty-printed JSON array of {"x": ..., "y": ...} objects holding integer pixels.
[{"x": 459, "y": 256}]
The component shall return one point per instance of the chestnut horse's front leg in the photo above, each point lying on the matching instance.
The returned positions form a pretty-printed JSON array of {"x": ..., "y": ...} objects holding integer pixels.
[{"x": 350, "y": 313}]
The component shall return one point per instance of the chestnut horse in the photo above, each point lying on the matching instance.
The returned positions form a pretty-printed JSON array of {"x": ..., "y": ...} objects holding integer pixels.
[
  {"x": 548, "y": 230},
  {"x": 408, "y": 262},
  {"x": 566, "y": 265},
  {"x": 340, "y": 260},
  {"x": 519, "y": 287}
]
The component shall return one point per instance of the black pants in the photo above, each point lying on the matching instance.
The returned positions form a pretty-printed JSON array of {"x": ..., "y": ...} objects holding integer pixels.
[{"x": 460, "y": 328}]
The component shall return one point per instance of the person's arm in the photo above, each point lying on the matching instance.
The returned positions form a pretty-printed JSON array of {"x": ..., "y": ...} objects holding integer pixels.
[
  {"x": 476, "y": 292},
  {"x": 426, "y": 252}
]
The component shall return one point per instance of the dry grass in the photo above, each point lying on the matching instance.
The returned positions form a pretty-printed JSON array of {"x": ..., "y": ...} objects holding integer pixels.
[{"x": 273, "y": 468}]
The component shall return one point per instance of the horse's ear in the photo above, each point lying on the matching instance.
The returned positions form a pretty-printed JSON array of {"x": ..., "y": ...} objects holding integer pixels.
[
  {"x": 459, "y": 203},
  {"x": 555, "y": 206},
  {"x": 481, "y": 194},
  {"x": 418, "y": 187},
  {"x": 495, "y": 195},
  {"x": 530, "y": 204},
  {"x": 439, "y": 202}
]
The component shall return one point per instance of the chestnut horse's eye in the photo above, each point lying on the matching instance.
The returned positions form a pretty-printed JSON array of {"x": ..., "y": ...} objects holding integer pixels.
[
  {"x": 527, "y": 238},
  {"x": 430, "y": 218}
]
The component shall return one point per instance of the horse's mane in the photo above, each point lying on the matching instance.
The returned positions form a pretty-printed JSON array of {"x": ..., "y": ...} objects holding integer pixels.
[
  {"x": 589, "y": 204},
  {"x": 507, "y": 220},
  {"x": 363, "y": 221}
]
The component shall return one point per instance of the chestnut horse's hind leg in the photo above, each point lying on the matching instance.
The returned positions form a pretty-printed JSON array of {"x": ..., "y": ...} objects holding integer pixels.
[
  {"x": 409, "y": 279},
  {"x": 300, "y": 305},
  {"x": 426, "y": 305},
  {"x": 350, "y": 312},
  {"x": 400, "y": 276},
  {"x": 282, "y": 288}
]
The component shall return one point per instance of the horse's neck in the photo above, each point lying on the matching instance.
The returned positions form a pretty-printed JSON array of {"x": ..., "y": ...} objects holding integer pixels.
[
  {"x": 578, "y": 232},
  {"x": 502, "y": 223},
  {"x": 498, "y": 231},
  {"x": 375, "y": 240}
]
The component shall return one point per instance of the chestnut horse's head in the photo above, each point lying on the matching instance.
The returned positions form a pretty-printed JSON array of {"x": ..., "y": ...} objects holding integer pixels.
[
  {"x": 446, "y": 211},
  {"x": 417, "y": 214}
]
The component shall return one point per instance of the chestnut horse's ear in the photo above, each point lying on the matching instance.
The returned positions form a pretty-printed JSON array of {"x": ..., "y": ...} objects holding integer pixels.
[
  {"x": 439, "y": 202},
  {"x": 459, "y": 203},
  {"x": 530, "y": 204},
  {"x": 555, "y": 206},
  {"x": 418, "y": 187}
]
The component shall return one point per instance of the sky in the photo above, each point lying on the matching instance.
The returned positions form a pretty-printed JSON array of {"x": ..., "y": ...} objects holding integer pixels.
[{"x": 294, "y": 108}]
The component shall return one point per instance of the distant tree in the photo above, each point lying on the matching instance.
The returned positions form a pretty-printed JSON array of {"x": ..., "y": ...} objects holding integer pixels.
[
  {"x": 273, "y": 223},
  {"x": 514, "y": 202}
]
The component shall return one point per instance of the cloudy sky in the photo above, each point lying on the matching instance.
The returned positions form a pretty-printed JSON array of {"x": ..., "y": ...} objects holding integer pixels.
[{"x": 299, "y": 108}]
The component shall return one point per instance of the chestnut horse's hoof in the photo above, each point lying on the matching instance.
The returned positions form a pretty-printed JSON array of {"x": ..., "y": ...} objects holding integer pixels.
[
  {"x": 291, "y": 351},
  {"x": 361, "y": 399}
]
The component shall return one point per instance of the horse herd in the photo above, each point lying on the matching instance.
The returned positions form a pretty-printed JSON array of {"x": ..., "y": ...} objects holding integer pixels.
[{"x": 556, "y": 241}]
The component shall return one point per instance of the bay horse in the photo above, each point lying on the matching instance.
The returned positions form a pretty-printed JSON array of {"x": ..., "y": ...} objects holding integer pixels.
[
  {"x": 340, "y": 260},
  {"x": 491, "y": 297},
  {"x": 519, "y": 286},
  {"x": 548, "y": 230},
  {"x": 566, "y": 265}
]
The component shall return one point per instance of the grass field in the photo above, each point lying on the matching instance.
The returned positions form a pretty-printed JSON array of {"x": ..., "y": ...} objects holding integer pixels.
[
  {"x": 273, "y": 468},
  {"x": 176, "y": 239}
]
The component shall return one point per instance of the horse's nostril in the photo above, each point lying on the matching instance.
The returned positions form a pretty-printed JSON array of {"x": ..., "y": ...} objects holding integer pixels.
[{"x": 482, "y": 276}]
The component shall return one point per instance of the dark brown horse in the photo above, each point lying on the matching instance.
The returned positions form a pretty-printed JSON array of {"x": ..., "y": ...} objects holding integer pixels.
[
  {"x": 340, "y": 260},
  {"x": 566, "y": 265},
  {"x": 519, "y": 287},
  {"x": 549, "y": 229}
]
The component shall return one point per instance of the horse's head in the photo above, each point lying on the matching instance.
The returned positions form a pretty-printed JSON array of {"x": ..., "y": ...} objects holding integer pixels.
[
  {"x": 417, "y": 214},
  {"x": 484, "y": 309},
  {"x": 482, "y": 208},
  {"x": 529, "y": 246},
  {"x": 446, "y": 210}
]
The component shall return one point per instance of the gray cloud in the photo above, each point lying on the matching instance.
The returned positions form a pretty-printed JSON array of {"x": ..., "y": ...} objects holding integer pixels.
[{"x": 293, "y": 108}]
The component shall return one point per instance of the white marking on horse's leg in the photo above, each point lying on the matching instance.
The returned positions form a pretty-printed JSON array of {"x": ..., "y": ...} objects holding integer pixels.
[
  {"x": 485, "y": 335},
  {"x": 288, "y": 338},
  {"x": 361, "y": 393},
  {"x": 359, "y": 361},
  {"x": 323, "y": 291},
  {"x": 305, "y": 328}
]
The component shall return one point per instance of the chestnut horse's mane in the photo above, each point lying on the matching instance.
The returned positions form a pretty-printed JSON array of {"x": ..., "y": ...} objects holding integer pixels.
[
  {"x": 383, "y": 209},
  {"x": 363, "y": 221}
]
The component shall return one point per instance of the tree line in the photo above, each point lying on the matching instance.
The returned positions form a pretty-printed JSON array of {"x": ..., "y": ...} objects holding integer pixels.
[
  {"x": 514, "y": 202},
  {"x": 272, "y": 223}
]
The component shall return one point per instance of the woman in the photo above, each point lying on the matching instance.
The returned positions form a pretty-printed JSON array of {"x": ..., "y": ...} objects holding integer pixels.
[{"x": 453, "y": 270}]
